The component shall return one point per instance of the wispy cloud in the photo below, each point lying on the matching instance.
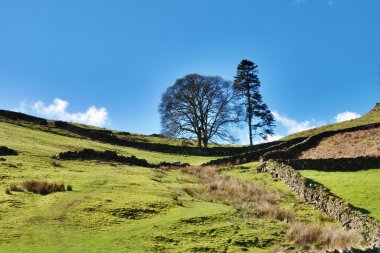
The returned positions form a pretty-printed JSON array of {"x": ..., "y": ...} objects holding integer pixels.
[
  {"x": 58, "y": 110},
  {"x": 294, "y": 126},
  {"x": 344, "y": 116},
  {"x": 331, "y": 2}
]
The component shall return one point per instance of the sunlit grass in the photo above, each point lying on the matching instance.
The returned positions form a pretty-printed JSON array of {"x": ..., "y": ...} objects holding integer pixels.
[{"x": 360, "y": 188}]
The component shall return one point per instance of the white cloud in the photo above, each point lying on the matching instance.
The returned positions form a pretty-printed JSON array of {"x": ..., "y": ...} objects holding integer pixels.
[
  {"x": 93, "y": 116},
  {"x": 343, "y": 116},
  {"x": 294, "y": 126},
  {"x": 270, "y": 138},
  {"x": 243, "y": 137},
  {"x": 274, "y": 137}
]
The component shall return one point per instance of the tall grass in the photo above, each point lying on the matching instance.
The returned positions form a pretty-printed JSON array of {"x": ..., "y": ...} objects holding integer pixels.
[
  {"x": 240, "y": 194},
  {"x": 39, "y": 187},
  {"x": 326, "y": 237},
  {"x": 43, "y": 187}
]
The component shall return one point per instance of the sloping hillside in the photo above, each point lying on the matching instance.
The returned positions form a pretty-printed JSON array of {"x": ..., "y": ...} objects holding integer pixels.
[
  {"x": 372, "y": 116},
  {"x": 109, "y": 204},
  {"x": 349, "y": 144},
  {"x": 116, "y": 207}
]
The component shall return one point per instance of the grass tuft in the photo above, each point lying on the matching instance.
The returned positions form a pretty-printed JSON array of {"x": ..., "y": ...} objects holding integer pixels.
[
  {"x": 16, "y": 188},
  {"x": 8, "y": 191},
  {"x": 43, "y": 187},
  {"x": 332, "y": 238},
  {"x": 240, "y": 194}
]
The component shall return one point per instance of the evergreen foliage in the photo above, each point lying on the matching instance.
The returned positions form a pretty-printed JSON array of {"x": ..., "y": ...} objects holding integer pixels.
[{"x": 257, "y": 114}]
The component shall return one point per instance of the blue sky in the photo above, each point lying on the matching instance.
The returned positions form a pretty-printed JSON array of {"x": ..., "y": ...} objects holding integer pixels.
[{"x": 108, "y": 62}]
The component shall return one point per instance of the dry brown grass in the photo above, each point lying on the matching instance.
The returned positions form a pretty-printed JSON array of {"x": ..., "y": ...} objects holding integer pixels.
[
  {"x": 323, "y": 237},
  {"x": 16, "y": 188},
  {"x": 350, "y": 144},
  {"x": 43, "y": 187},
  {"x": 8, "y": 191},
  {"x": 237, "y": 193}
]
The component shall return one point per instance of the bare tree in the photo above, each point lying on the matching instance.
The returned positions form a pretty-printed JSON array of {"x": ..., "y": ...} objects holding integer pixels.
[{"x": 199, "y": 106}]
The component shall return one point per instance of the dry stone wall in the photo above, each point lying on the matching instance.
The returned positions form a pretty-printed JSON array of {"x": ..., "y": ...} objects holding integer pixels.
[
  {"x": 107, "y": 137},
  {"x": 21, "y": 116},
  {"x": 321, "y": 198},
  {"x": 7, "y": 151},
  {"x": 312, "y": 141},
  {"x": 90, "y": 154},
  {"x": 340, "y": 164},
  {"x": 251, "y": 156}
]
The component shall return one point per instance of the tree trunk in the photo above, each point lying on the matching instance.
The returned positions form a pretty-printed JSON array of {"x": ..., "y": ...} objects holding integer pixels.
[
  {"x": 249, "y": 115},
  {"x": 205, "y": 142},
  {"x": 199, "y": 141},
  {"x": 250, "y": 128}
]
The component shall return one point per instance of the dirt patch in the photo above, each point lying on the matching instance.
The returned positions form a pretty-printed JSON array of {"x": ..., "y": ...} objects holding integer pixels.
[{"x": 345, "y": 145}]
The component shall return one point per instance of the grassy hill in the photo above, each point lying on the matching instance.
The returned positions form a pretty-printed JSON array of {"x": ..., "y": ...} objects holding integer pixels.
[
  {"x": 372, "y": 116},
  {"x": 117, "y": 207}
]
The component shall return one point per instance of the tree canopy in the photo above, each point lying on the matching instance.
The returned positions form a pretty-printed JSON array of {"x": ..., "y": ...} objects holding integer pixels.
[{"x": 199, "y": 107}]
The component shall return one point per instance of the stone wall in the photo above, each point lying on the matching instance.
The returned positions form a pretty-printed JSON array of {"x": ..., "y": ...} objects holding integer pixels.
[
  {"x": 253, "y": 155},
  {"x": 112, "y": 156},
  {"x": 320, "y": 197},
  {"x": 312, "y": 141},
  {"x": 21, "y": 116},
  {"x": 340, "y": 164},
  {"x": 107, "y": 137},
  {"x": 7, "y": 151}
]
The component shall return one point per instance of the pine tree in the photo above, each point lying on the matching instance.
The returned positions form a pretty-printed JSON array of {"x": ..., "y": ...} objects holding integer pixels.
[{"x": 246, "y": 86}]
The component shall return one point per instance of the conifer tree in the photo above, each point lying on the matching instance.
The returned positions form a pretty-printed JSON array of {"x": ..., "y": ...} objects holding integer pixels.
[{"x": 246, "y": 86}]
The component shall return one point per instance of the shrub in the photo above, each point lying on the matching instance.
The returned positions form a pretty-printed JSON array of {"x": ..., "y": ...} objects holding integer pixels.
[
  {"x": 69, "y": 187},
  {"x": 43, "y": 187}
]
